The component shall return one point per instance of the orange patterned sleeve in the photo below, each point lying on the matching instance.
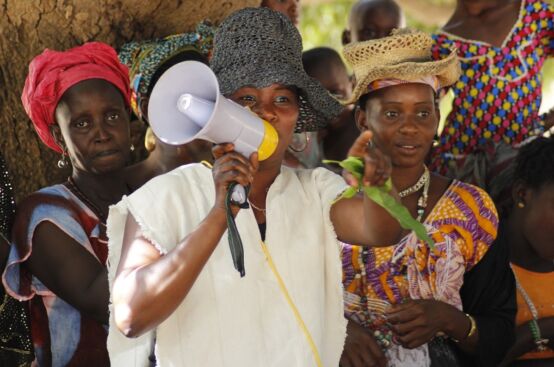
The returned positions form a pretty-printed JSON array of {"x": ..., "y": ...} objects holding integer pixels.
[{"x": 469, "y": 216}]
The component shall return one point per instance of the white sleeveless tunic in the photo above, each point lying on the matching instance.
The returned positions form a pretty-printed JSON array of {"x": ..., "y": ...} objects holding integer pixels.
[{"x": 226, "y": 320}]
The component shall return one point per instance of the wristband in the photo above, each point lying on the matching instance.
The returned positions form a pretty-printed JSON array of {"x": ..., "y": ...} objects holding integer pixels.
[{"x": 472, "y": 329}]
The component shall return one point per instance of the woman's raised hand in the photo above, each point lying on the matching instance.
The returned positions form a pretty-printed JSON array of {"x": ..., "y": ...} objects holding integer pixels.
[
  {"x": 230, "y": 166},
  {"x": 377, "y": 166}
]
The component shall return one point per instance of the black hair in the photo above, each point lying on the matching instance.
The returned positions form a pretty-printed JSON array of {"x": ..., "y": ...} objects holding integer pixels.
[
  {"x": 186, "y": 55},
  {"x": 320, "y": 56},
  {"x": 534, "y": 164},
  {"x": 362, "y": 101}
]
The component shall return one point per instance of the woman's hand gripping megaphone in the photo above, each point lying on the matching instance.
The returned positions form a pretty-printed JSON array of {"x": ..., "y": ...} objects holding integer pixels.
[{"x": 231, "y": 167}]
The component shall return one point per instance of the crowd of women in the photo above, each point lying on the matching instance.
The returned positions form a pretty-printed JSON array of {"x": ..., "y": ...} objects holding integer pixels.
[{"x": 128, "y": 263}]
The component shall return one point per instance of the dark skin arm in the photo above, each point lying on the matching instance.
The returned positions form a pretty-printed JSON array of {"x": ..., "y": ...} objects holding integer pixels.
[
  {"x": 361, "y": 348},
  {"x": 70, "y": 271},
  {"x": 144, "y": 275},
  {"x": 525, "y": 342},
  {"x": 360, "y": 220},
  {"x": 416, "y": 322}
]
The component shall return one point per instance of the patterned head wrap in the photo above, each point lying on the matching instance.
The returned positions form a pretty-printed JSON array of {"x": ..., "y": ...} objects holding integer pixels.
[
  {"x": 145, "y": 57},
  {"x": 53, "y": 72},
  {"x": 429, "y": 80}
]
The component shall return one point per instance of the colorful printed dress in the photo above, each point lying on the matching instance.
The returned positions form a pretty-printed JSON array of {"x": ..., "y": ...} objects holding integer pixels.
[
  {"x": 498, "y": 96},
  {"x": 463, "y": 225},
  {"x": 61, "y": 335}
]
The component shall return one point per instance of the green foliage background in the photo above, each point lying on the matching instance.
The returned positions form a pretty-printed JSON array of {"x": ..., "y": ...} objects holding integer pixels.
[{"x": 322, "y": 25}]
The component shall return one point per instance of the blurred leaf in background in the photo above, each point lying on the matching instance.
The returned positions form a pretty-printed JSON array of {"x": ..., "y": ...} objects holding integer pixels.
[{"x": 322, "y": 24}]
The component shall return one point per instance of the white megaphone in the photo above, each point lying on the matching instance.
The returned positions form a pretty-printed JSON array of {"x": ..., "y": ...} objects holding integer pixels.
[{"x": 185, "y": 104}]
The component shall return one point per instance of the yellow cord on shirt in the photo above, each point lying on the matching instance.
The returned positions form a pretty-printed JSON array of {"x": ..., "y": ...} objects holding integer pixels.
[
  {"x": 299, "y": 320},
  {"x": 283, "y": 288}
]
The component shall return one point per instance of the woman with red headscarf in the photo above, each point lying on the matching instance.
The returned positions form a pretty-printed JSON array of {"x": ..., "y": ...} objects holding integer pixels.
[{"x": 78, "y": 101}]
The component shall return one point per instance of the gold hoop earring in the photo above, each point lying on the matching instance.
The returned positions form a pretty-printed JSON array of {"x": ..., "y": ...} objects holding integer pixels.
[{"x": 306, "y": 142}]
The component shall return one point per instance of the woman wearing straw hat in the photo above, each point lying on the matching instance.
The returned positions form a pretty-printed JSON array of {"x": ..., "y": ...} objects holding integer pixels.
[
  {"x": 171, "y": 268},
  {"x": 399, "y": 298}
]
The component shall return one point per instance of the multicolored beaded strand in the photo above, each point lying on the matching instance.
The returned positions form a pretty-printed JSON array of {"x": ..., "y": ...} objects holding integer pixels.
[{"x": 540, "y": 342}]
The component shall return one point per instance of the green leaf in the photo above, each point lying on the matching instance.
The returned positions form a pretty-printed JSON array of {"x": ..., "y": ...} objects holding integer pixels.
[
  {"x": 346, "y": 194},
  {"x": 380, "y": 195},
  {"x": 330, "y": 161},
  {"x": 354, "y": 165},
  {"x": 349, "y": 192}
]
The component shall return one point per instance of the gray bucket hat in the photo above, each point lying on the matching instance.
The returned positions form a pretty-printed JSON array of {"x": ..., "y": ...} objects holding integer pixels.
[{"x": 259, "y": 47}]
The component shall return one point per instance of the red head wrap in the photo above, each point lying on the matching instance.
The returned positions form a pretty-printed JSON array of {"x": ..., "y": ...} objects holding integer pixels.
[{"x": 53, "y": 72}]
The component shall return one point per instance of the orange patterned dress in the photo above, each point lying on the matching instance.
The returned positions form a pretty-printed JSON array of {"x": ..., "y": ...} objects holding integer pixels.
[{"x": 463, "y": 225}]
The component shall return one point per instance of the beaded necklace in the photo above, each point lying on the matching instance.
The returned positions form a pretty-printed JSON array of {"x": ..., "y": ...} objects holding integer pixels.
[
  {"x": 424, "y": 182},
  {"x": 422, "y": 201},
  {"x": 540, "y": 342},
  {"x": 72, "y": 186},
  {"x": 382, "y": 330},
  {"x": 423, "y": 179}
]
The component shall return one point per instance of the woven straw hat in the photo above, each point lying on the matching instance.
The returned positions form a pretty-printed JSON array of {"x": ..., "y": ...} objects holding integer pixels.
[
  {"x": 259, "y": 47},
  {"x": 405, "y": 55}
]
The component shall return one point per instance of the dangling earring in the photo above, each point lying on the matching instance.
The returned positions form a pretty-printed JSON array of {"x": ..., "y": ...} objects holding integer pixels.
[
  {"x": 436, "y": 141},
  {"x": 62, "y": 162},
  {"x": 294, "y": 147},
  {"x": 520, "y": 204},
  {"x": 132, "y": 148}
]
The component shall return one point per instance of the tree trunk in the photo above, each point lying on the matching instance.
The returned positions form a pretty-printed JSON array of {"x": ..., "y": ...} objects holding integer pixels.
[{"x": 29, "y": 26}]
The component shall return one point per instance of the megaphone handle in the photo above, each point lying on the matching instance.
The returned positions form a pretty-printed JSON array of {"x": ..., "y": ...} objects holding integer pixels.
[
  {"x": 235, "y": 242},
  {"x": 239, "y": 195}
]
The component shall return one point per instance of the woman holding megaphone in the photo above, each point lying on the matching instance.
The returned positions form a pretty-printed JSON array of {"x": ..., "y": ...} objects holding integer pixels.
[{"x": 170, "y": 267}]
